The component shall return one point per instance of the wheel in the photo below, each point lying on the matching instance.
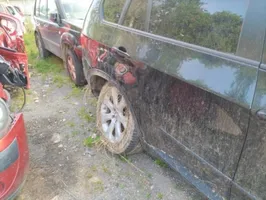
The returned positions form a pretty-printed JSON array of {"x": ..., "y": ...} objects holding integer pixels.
[
  {"x": 74, "y": 68},
  {"x": 44, "y": 53},
  {"x": 116, "y": 122}
]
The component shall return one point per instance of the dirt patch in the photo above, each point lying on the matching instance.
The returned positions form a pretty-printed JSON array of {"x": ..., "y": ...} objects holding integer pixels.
[{"x": 59, "y": 118}]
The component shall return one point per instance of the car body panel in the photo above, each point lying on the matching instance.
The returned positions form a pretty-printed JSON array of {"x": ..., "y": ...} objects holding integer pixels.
[
  {"x": 15, "y": 52},
  {"x": 192, "y": 104},
  {"x": 14, "y": 174}
]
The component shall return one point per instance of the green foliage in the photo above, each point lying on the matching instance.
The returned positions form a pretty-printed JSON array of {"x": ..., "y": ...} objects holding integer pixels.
[
  {"x": 188, "y": 21},
  {"x": 160, "y": 163},
  {"x": 60, "y": 80},
  {"x": 91, "y": 141},
  {"x": 160, "y": 196},
  {"x": 113, "y": 9},
  {"x": 88, "y": 117}
]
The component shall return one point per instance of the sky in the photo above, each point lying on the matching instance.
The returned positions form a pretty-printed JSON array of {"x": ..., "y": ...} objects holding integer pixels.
[{"x": 235, "y": 6}]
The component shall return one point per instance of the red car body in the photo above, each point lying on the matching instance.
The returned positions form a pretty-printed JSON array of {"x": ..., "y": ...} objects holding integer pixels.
[
  {"x": 14, "y": 156},
  {"x": 12, "y": 46},
  {"x": 14, "y": 153}
]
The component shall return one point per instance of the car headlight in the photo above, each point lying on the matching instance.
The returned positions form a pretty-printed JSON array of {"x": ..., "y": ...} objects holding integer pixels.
[{"x": 4, "y": 118}]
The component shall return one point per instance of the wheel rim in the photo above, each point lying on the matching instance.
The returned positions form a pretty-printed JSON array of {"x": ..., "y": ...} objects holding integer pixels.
[
  {"x": 115, "y": 116},
  {"x": 71, "y": 68}
]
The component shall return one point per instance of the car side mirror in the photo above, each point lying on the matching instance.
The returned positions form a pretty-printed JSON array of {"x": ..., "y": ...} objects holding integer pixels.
[{"x": 53, "y": 17}]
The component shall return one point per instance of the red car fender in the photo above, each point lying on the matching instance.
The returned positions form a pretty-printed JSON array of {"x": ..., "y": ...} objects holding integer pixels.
[{"x": 3, "y": 94}]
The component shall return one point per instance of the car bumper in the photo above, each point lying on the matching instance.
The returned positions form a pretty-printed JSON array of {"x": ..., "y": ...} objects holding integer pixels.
[{"x": 14, "y": 160}]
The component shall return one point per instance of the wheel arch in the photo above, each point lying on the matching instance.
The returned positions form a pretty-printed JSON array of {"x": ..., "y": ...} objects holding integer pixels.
[{"x": 67, "y": 41}]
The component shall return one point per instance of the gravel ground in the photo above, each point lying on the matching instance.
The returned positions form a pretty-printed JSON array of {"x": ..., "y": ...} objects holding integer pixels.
[{"x": 59, "y": 117}]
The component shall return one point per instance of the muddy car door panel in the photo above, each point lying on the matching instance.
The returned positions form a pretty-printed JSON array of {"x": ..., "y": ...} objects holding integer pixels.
[{"x": 191, "y": 97}]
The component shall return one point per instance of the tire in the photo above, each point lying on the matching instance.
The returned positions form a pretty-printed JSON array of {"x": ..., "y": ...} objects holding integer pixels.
[
  {"x": 116, "y": 122},
  {"x": 43, "y": 52},
  {"x": 74, "y": 68}
]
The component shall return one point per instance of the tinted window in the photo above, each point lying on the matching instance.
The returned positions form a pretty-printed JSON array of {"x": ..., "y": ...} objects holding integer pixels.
[
  {"x": 214, "y": 24},
  {"x": 113, "y": 9},
  {"x": 136, "y": 15}
]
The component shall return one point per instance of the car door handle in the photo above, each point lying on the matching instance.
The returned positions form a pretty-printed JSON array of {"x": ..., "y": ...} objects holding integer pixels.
[
  {"x": 261, "y": 114},
  {"x": 121, "y": 51}
]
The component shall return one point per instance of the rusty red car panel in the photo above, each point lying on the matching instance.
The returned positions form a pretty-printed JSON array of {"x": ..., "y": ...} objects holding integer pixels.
[
  {"x": 12, "y": 46},
  {"x": 14, "y": 145}
]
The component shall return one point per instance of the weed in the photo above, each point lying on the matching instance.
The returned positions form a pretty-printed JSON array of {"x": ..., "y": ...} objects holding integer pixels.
[
  {"x": 91, "y": 141},
  {"x": 86, "y": 116},
  {"x": 89, "y": 175},
  {"x": 71, "y": 124},
  {"x": 149, "y": 175},
  {"x": 124, "y": 158},
  {"x": 93, "y": 102},
  {"x": 98, "y": 185},
  {"x": 60, "y": 80},
  {"x": 94, "y": 168},
  {"x": 106, "y": 170},
  {"x": 75, "y": 92},
  {"x": 148, "y": 196},
  {"x": 160, "y": 196},
  {"x": 31, "y": 47},
  {"x": 75, "y": 133},
  {"x": 160, "y": 163}
]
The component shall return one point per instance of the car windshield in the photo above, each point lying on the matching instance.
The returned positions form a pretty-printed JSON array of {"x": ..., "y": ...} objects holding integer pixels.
[{"x": 75, "y": 10}]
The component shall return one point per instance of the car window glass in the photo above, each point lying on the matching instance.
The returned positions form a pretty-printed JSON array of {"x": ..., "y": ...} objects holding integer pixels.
[
  {"x": 113, "y": 9},
  {"x": 51, "y": 8},
  {"x": 2, "y": 9},
  {"x": 37, "y": 8},
  {"x": 214, "y": 24},
  {"x": 73, "y": 10},
  {"x": 43, "y": 8},
  {"x": 10, "y": 10},
  {"x": 136, "y": 15}
]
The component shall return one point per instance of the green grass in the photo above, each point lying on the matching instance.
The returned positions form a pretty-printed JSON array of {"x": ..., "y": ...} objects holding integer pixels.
[
  {"x": 75, "y": 133},
  {"x": 91, "y": 141},
  {"x": 60, "y": 80},
  {"x": 160, "y": 196},
  {"x": 160, "y": 163},
  {"x": 75, "y": 92},
  {"x": 106, "y": 170},
  {"x": 71, "y": 124},
  {"x": 83, "y": 114}
]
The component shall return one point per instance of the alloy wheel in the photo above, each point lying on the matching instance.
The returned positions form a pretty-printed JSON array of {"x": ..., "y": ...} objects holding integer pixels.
[{"x": 115, "y": 116}]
